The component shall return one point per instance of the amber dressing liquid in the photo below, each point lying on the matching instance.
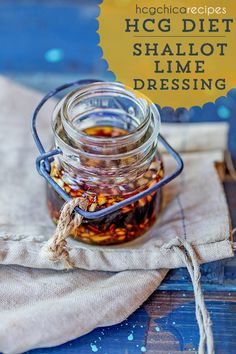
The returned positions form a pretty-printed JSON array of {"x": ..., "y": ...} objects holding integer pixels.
[{"x": 121, "y": 226}]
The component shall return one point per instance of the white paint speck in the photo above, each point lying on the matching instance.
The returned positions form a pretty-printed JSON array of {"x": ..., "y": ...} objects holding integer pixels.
[
  {"x": 130, "y": 336},
  {"x": 94, "y": 348}
]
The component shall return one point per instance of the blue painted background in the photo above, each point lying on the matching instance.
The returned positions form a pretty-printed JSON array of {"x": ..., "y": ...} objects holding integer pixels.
[{"x": 51, "y": 37}]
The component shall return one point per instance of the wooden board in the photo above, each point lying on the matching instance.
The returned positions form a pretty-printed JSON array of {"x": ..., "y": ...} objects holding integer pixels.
[{"x": 165, "y": 324}]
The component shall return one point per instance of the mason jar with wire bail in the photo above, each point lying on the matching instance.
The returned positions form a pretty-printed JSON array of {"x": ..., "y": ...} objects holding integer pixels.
[{"x": 108, "y": 138}]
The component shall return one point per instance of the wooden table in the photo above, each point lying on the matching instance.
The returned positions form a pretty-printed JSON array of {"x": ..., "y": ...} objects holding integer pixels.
[
  {"x": 165, "y": 324},
  {"x": 57, "y": 42}
]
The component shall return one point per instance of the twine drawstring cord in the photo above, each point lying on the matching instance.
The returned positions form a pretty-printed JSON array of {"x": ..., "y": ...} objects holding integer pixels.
[
  {"x": 56, "y": 248},
  {"x": 187, "y": 255}
]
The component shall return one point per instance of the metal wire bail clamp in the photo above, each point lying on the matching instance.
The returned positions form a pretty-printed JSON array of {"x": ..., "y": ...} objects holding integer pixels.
[{"x": 45, "y": 158}]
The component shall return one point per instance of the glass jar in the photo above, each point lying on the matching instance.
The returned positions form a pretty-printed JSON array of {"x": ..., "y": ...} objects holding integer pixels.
[{"x": 108, "y": 137}]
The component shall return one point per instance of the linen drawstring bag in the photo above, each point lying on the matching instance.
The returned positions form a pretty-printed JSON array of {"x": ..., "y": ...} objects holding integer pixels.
[{"x": 41, "y": 303}]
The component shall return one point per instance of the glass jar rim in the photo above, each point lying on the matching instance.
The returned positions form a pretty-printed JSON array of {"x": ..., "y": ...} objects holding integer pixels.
[
  {"x": 152, "y": 114},
  {"x": 93, "y": 90}
]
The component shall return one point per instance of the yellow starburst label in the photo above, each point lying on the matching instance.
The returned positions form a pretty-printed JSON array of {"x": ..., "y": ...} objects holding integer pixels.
[{"x": 178, "y": 53}]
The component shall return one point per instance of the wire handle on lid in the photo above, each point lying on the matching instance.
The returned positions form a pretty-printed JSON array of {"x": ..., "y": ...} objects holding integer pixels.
[{"x": 45, "y": 158}]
